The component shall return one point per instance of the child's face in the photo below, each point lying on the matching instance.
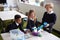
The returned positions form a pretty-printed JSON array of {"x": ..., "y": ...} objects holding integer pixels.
[
  {"x": 48, "y": 8},
  {"x": 18, "y": 20},
  {"x": 32, "y": 15}
]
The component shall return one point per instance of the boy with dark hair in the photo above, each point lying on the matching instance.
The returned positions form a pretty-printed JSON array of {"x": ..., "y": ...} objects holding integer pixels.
[{"x": 16, "y": 24}]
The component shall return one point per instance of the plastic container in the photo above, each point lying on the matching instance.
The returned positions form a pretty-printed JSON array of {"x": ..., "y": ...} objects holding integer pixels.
[{"x": 16, "y": 34}]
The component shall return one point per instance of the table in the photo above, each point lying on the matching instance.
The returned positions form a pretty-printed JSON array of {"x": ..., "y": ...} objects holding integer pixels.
[
  {"x": 6, "y": 15},
  {"x": 45, "y": 36}
]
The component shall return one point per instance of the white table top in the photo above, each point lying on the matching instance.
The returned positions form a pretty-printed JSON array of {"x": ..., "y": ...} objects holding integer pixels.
[
  {"x": 45, "y": 36},
  {"x": 6, "y": 15}
]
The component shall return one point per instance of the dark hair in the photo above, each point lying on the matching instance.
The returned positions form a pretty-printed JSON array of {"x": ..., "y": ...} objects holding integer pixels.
[
  {"x": 17, "y": 16},
  {"x": 31, "y": 11}
]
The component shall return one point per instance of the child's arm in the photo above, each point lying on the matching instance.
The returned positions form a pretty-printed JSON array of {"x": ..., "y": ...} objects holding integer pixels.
[{"x": 43, "y": 19}]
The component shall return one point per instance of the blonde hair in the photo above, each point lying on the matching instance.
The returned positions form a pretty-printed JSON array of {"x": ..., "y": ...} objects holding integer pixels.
[
  {"x": 51, "y": 5},
  {"x": 30, "y": 12}
]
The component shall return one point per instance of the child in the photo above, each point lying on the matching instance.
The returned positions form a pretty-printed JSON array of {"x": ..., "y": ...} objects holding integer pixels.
[
  {"x": 16, "y": 24},
  {"x": 49, "y": 17},
  {"x": 31, "y": 20}
]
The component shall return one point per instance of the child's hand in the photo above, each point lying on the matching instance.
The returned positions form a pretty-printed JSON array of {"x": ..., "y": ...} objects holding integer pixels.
[{"x": 47, "y": 25}]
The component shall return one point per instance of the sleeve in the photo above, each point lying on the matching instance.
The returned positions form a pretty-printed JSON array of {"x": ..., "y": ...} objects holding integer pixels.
[
  {"x": 43, "y": 17},
  {"x": 54, "y": 18},
  {"x": 20, "y": 27},
  {"x": 29, "y": 25}
]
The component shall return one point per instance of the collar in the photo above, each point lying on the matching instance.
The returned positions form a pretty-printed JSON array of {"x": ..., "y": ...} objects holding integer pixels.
[
  {"x": 51, "y": 12},
  {"x": 32, "y": 19},
  {"x": 17, "y": 24}
]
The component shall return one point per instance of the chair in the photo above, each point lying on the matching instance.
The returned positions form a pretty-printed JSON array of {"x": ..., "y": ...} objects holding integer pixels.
[
  {"x": 5, "y": 24},
  {"x": 24, "y": 23},
  {"x": 1, "y": 25}
]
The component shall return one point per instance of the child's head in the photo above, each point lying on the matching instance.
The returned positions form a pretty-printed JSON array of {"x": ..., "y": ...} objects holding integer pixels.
[
  {"x": 31, "y": 14},
  {"x": 49, "y": 7},
  {"x": 17, "y": 19}
]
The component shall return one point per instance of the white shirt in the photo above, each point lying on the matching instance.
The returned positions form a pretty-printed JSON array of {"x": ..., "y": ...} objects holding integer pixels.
[
  {"x": 31, "y": 19},
  {"x": 17, "y": 24},
  {"x": 51, "y": 12}
]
